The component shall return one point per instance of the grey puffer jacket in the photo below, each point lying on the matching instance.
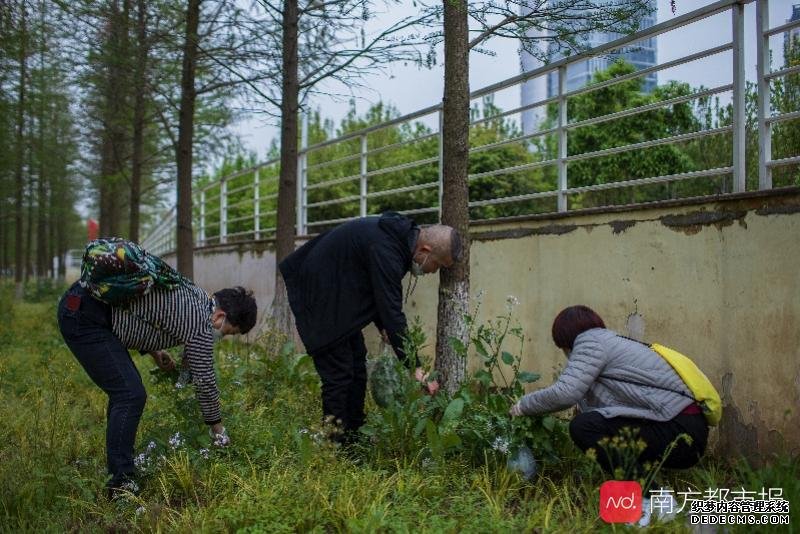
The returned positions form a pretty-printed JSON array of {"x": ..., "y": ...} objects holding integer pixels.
[{"x": 599, "y": 352}]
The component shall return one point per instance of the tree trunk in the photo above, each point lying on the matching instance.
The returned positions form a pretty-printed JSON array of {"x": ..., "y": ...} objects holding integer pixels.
[
  {"x": 51, "y": 230},
  {"x": 454, "y": 282},
  {"x": 106, "y": 156},
  {"x": 117, "y": 99},
  {"x": 29, "y": 223},
  {"x": 185, "y": 239},
  {"x": 287, "y": 189},
  {"x": 4, "y": 241},
  {"x": 61, "y": 240},
  {"x": 138, "y": 120},
  {"x": 20, "y": 149},
  {"x": 41, "y": 198}
]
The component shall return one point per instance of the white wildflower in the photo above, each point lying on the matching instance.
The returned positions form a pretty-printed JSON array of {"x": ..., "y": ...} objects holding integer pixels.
[
  {"x": 500, "y": 444},
  {"x": 140, "y": 510},
  {"x": 151, "y": 446},
  {"x": 176, "y": 440},
  {"x": 204, "y": 453},
  {"x": 179, "y": 385},
  {"x": 140, "y": 461},
  {"x": 512, "y": 301}
]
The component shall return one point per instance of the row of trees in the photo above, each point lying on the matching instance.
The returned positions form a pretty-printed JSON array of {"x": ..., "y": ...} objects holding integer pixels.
[{"x": 38, "y": 138}]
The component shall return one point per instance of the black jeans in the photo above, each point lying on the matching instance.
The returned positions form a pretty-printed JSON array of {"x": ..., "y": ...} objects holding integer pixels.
[
  {"x": 85, "y": 323},
  {"x": 343, "y": 370},
  {"x": 588, "y": 428}
]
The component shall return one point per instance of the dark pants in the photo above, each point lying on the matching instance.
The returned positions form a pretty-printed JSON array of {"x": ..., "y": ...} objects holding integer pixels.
[
  {"x": 588, "y": 428},
  {"x": 85, "y": 323},
  {"x": 343, "y": 370}
]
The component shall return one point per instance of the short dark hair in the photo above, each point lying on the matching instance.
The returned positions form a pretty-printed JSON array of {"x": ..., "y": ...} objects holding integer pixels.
[
  {"x": 455, "y": 246},
  {"x": 573, "y": 321},
  {"x": 239, "y": 306}
]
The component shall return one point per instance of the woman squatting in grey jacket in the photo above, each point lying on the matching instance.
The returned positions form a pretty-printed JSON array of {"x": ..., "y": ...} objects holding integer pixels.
[{"x": 617, "y": 382}]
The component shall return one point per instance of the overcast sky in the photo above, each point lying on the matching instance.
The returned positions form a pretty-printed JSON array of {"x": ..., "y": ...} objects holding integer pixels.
[{"x": 410, "y": 88}]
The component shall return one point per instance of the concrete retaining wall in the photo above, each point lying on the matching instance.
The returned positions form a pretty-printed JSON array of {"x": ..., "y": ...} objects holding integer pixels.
[{"x": 716, "y": 279}]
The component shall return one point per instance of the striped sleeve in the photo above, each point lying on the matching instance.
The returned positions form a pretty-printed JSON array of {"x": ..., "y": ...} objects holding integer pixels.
[{"x": 199, "y": 353}]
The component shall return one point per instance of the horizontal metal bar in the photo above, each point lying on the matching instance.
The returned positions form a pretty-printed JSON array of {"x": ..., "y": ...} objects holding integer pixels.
[
  {"x": 515, "y": 198},
  {"x": 784, "y": 161},
  {"x": 516, "y": 110},
  {"x": 332, "y": 162},
  {"x": 420, "y": 210},
  {"x": 246, "y": 187},
  {"x": 399, "y": 120},
  {"x": 267, "y": 213},
  {"x": 244, "y": 232},
  {"x": 341, "y": 200},
  {"x": 242, "y": 172},
  {"x": 326, "y": 183},
  {"x": 512, "y": 170},
  {"x": 402, "y": 143},
  {"x": 512, "y": 140},
  {"x": 647, "y": 144},
  {"x": 407, "y": 189},
  {"x": 782, "y": 72},
  {"x": 649, "y": 107},
  {"x": 249, "y": 216},
  {"x": 782, "y": 28},
  {"x": 249, "y": 201},
  {"x": 262, "y": 198},
  {"x": 784, "y": 117},
  {"x": 330, "y": 221},
  {"x": 663, "y": 27},
  {"x": 649, "y": 70},
  {"x": 653, "y": 180},
  {"x": 402, "y": 166}
]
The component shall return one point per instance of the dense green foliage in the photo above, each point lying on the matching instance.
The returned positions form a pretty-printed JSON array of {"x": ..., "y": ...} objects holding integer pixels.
[{"x": 278, "y": 476}]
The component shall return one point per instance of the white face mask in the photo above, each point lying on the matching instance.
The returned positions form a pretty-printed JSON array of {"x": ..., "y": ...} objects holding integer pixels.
[
  {"x": 217, "y": 332},
  {"x": 416, "y": 268}
]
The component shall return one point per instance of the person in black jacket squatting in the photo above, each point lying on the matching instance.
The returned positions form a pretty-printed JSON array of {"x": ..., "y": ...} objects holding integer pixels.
[{"x": 351, "y": 276}]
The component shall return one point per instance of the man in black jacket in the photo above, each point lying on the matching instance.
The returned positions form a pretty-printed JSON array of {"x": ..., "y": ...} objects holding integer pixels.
[{"x": 351, "y": 276}]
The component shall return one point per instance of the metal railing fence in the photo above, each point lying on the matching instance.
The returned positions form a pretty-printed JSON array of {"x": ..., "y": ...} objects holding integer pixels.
[{"x": 397, "y": 164}]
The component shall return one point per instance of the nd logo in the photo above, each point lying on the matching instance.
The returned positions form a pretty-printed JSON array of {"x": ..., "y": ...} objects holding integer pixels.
[{"x": 620, "y": 501}]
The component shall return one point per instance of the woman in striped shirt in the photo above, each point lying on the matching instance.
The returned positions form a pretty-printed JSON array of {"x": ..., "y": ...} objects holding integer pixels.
[{"x": 100, "y": 335}]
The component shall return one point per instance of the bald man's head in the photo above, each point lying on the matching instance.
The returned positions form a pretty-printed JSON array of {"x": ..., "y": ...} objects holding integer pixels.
[{"x": 438, "y": 245}]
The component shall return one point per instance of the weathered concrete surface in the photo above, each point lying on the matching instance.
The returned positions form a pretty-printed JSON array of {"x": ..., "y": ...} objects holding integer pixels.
[{"x": 717, "y": 280}]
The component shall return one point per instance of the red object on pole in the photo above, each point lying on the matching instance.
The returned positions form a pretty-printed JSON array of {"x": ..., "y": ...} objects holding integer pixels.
[{"x": 92, "y": 229}]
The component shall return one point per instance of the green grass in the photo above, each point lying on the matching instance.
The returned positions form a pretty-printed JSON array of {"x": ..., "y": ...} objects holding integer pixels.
[{"x": 274, "y": 478}]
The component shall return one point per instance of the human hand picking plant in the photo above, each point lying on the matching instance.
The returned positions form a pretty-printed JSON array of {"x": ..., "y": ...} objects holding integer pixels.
[
  {"x": 219, "y": 435},
  {"x": 163, "y": 360},
  {"x": 515, "y": 411},
  {"x": 430, "y": 386}
]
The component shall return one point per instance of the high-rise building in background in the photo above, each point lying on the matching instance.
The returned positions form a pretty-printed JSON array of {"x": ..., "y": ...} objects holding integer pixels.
[
  {"x": 579, "y": 74},
  {"x": 791, "y": 38}
]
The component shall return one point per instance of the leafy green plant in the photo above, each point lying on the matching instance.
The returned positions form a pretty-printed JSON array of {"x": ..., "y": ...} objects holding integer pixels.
[{"x": 475, "y": 418}]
